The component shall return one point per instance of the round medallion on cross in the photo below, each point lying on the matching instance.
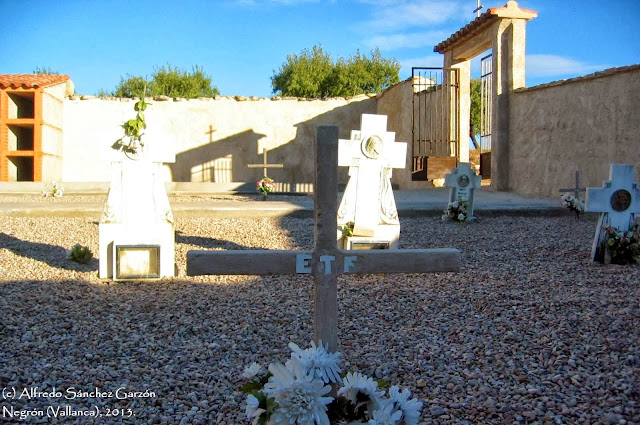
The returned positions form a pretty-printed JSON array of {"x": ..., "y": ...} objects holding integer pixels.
[
  {"x": 463, "y": 181},
  {"x": 372, "y": 147},
  {"x": 620, "y": 200}
]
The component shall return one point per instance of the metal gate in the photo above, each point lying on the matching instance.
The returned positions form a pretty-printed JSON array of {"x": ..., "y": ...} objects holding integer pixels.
[
  {"x": 485, "y": 115},
  {"x": 435, "y": 121}
]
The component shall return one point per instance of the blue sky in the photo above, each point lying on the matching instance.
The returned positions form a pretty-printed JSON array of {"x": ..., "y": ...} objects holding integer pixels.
[{"x": 240, "y": 43}]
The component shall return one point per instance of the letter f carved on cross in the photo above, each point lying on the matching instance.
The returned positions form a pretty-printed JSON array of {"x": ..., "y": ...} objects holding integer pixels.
[{"x": 326, "y": 262}]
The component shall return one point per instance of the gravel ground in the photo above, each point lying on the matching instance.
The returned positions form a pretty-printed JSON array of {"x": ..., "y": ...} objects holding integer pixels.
[{"x": 530, "y": 331}]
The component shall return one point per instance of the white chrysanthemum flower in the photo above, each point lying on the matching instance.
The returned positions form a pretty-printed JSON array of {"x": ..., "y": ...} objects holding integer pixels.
[
  {"x": 461, "y": 217},
  {"x": 355, "y": 383},
  {"x": 454, "y": 204},
  {"x": 318, "y": 361},
  {"x": 386, "y": 415},
  {"x": 410, "y": 408},
  {"x": 299, "y": 396},
  {"x": 252, "y": 370},
  {"x": 252, "y": 410}
]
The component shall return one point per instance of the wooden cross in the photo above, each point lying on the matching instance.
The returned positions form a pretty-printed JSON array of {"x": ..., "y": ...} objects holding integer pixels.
[
  {"x": 210, "y": 133},
  {"x": 576, "y": 190},
  {"x": 264, "y": 164},
  {"x": 618, "y": 201},
  {"x": 326, "y": 262}
]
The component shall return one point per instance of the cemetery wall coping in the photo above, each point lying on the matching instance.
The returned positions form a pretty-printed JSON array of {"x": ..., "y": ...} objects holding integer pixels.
[
  {"x": 234, "y": 98},
  {"x": 599, "y": 74}
]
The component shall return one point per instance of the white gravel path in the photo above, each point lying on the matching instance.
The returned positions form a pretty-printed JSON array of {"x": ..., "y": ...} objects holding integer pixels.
[{"x": 529, "y": 332}]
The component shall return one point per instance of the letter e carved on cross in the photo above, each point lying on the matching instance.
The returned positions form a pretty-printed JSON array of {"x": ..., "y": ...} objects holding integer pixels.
[{"x": 326, "y": 262}]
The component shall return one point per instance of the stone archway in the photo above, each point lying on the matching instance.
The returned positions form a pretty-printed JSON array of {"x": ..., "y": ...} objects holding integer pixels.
[{"x": 503, "y": 30}]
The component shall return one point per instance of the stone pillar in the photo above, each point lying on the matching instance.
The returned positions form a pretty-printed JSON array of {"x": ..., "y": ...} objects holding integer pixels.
[
  {"x": 508, "y": 75},
  {"x": 464, "y": 97}
]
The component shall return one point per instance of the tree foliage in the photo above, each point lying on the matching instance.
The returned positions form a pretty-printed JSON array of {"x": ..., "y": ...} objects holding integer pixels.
[
  {"x": 45, "y": 70},
  {"x": 314, "y": 74},
  {"x": 168, "y": 81},
  {"x": 476, "y": 88}
]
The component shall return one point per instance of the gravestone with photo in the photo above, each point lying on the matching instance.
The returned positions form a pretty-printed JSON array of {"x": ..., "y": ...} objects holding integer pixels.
[
  {"x": 326, "y": 261},
  {"x": 462, "y": 183},
  {"x": 618, "y": 202},
  {"x": 137, "y": 232},
  {"x": 368, "y": 208}
]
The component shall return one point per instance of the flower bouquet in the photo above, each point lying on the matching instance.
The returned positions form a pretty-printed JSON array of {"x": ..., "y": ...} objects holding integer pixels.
[
  {"x": 623, "y": 247},
  {"x": 266, "y": 186},
  {"x": 457, "y": 210},
  {"x": 56, "y": 190},
  {"x": 574, "y": 204},
  {"x": 297, "y": 393}
]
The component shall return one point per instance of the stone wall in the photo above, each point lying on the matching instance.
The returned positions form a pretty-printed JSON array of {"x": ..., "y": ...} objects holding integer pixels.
[
  {"x": 213, "y": 139},
  {"x": 581, "y": 124}
]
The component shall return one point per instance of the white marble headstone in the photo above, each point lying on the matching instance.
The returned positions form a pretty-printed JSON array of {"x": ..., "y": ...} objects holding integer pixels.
[
  {"x": 462, "y": 183},
  {"x": 370, "y": 154},
  {"x": 617, "y": 201},
  {"x": 137, "y": 211}
]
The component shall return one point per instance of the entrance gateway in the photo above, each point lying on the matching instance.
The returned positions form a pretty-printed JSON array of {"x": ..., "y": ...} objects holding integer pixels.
[{"x": 326, "y": 262}]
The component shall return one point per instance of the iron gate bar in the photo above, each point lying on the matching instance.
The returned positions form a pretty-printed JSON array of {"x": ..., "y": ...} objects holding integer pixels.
[
  {"x": 435, "y": 119},
  {"x": 486, "y": 77}
]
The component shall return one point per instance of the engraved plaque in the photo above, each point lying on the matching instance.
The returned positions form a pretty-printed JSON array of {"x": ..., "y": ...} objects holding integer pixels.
[
  {"x": 620, "y": 200},
  {"x": 372, "y": 147}
]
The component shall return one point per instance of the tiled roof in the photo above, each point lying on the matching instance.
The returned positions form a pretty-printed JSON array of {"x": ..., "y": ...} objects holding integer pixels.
[
  {"x": 28, "y": 81},
  {"x": 510, "y": 10}
]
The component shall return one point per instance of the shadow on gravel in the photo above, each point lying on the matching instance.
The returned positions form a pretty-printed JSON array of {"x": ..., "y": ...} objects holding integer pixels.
[
  {"x": 205, "y": 242},
  {"x": 53, "y": 255}
]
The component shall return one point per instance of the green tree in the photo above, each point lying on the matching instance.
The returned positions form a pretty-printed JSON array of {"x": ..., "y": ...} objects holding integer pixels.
[
  {"x": 132, "y": 86},
  {"x": 303, "y": 75},
  {"x": 476, "y": 105},
  {"x": 314, "y": 74},
  {"x": 168, "y": 81},
  {"x": 173, "y": 82}
]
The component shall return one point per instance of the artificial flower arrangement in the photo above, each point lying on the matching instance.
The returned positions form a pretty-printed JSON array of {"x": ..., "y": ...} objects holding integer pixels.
[
  {"x": 266, "y": 186},
  {"x": 456, "y": 210},
  {"x": 56, "y": 190},
  {"x": 623, "y": 247},
  {"x": 297, "y": 393},
  {"x": 573, "y": 203}
]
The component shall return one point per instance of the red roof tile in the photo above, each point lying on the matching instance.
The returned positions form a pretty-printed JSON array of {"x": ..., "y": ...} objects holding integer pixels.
[
  {"x": 28, "y": 81},
  {"x": 511, "y": 9}
]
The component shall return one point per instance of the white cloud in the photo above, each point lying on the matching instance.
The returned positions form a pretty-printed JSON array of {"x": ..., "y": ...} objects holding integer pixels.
[
  {"x": 431, "y": 61},
  {"x": 554, "y": 65},
  {"x": 409, "y": 40},
  {"x": 389, "y": 15}
]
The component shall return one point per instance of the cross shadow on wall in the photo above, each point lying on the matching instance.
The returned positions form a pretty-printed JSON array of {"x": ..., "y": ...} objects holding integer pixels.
[
  {"x": 217, "y": 161},
  {"x": 53, "y": 255}
]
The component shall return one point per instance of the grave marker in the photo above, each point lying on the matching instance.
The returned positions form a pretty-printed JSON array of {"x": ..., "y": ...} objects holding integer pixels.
[
  {"x": 462, "y": 183},
  {"x": 617, "y": 201},
  {"x": 368, "y": 200},
  {"x": 577, "y": 189},
  {"x": 325, "y": 262},
  {"x": 265, "y": 164}
]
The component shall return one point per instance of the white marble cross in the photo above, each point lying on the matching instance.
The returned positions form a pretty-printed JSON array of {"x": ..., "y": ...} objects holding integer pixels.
[
  {"x": 618, "y": 201},
  {"x": 137, "y": 211},
  {"x": 370, "y": 154},
  {"x": 325, "y": 262},
  {"x": 462, "y": 182}
]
